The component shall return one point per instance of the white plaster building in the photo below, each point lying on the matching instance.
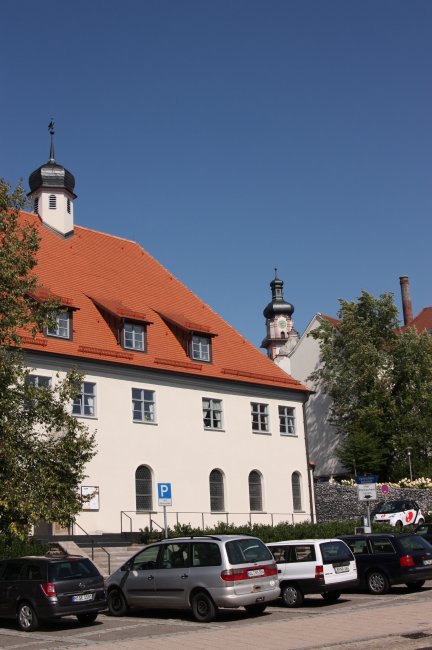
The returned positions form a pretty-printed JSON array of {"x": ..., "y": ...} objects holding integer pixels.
[{"x": 173, "y": 392}]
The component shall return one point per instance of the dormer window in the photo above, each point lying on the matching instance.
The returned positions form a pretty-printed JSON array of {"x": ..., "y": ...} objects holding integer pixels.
[
  {"x": 52, "y": 201},
  {"x": 201, "y": 348},
  {"x": 62, "y": 326},
  {"x": 134, "y": 336}
]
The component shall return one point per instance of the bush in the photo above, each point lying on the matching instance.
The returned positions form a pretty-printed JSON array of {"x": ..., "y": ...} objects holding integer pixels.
[
  {"x": 280, "y": 532},
  {"x": 18, "y": 547}
]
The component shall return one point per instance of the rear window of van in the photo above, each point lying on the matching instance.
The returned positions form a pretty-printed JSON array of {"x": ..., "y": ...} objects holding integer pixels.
[
  {"x": 72, "y": 570},
  {"x": 241, "y": 551}
]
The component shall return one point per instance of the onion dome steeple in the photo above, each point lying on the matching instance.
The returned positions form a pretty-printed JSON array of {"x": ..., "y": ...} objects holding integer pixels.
[
  {"x": 52, "y": 190},
  {"x": 279, "y": 323}
]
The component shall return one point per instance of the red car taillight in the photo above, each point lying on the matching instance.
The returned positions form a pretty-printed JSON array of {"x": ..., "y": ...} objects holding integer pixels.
[
  {"x": 49, "y": 589},
  {"x": 407, "y": 560},
  {"x": 243, "y": 573},
  {"x": 319, "y": 573}
]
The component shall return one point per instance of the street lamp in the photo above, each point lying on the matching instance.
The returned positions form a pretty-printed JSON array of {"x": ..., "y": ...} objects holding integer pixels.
[{"x": 409, "y": 450}]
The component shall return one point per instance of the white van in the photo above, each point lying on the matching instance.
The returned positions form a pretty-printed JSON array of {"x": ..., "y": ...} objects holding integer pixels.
[{"x": 313, "y": 566}]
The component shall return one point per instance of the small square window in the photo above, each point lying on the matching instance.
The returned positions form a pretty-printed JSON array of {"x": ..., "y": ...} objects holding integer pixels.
[
  {"x": 201, "y": 348},
  {"x": 260, "y": 417},
  {"x": 84, "y": 403},
  {"x": 61, "y": 327},
  {"x": 143, "y": 405},
  {"x": 287, "y": 423},
  {"x": 212, "y": 413},
  {"x": 134, "y": 336}
]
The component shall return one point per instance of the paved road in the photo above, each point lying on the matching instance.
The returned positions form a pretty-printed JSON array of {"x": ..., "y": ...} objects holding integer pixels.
[{"x": 356, "y": 622}]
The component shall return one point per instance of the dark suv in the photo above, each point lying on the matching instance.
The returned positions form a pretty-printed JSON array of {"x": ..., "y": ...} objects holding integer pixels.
[
  {"x": 42, "y": 588},
  {"x": 385, "y": 559}
]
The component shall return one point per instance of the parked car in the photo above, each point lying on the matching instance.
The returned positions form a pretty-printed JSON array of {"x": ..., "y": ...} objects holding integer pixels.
[
  {"x": 398, "y": 513},
  {"x": 198, "y": 573},
  {"x": 387, "y": 559},
  {"x": 41, "y": 588},
  {"x": 313, "y": 566},
  {"x": 425, "y": 530}
]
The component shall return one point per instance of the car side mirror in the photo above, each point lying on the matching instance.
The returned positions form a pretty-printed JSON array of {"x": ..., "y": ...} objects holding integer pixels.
[{"x": 126, "y": 566}]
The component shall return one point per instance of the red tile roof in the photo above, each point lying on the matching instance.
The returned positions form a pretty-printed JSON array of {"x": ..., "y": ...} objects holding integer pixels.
[
  {"x": 100, "y": 272},
  {"x": 423, "y": 320}
]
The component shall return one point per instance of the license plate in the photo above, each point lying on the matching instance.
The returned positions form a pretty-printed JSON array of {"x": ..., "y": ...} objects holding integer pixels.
[
  {"x": 82, "y": 598},
  {"x": 341, "y": 569},
  {"x": 253, "y": 573},
  {"x": 427, "y": 561}
]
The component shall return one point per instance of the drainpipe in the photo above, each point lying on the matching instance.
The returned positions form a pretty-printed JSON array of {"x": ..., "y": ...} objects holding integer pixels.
[
  {"x": 406, "y": 299},
  {"x": 310, "y": 466}
]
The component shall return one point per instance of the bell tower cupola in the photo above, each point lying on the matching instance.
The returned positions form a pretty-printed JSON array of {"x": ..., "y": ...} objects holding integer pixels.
[
  {"x": 281, "y": 335},
  {"x": 52, "y": 192}
]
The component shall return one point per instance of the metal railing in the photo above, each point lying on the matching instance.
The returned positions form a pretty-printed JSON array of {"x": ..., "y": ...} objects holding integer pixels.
[
  {"x": 203, "y": 518},
  {"x": 92, "y": 543}
]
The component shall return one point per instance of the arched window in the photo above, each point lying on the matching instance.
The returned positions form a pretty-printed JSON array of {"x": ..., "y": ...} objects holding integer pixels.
[
  {"x": 255, "y": 492},
  {"x": 296, "y": 491},
  {"x": 36, "y": 205},
  {"x": 52, "y": 201},
  {"x": 143, "y": 488},
  {"x": 217, "y": 500},
  {"x": 68, "y": 205}
]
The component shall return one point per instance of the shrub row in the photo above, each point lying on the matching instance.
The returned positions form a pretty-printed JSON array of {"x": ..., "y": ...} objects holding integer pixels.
[{"x": 19, "y": 548}]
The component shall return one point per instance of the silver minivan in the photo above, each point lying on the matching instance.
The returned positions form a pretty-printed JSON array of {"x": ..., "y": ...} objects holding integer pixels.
[{"x": 198, "y": 573}]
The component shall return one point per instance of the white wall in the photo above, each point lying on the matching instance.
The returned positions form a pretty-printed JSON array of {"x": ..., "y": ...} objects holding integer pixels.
[{"x": 180, "y": 451}]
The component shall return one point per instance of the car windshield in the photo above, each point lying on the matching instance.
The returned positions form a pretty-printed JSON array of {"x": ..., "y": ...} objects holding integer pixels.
[
  {"x": 389, "y": 507},
  {"x": 247, "y": 550},
  {"x": 72, "y": 570}
]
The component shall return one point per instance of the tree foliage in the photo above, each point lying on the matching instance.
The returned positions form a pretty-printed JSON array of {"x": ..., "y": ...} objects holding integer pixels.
[
  {"x": 43, "y": 448},
  {"x": 379, "y": 378}
]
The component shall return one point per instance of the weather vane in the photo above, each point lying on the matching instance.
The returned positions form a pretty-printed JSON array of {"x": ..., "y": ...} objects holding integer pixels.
[
  {"x": 51, "y": 126},
  {"x": 51, "y": 130}
]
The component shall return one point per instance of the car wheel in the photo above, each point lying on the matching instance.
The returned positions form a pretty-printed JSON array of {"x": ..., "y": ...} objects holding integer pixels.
[
  {"x": 398, "y": 525},
  {"x": 292, "y": 596},
  {"x": 117, "y": 604},
  {"x": 87, "y": 618},
  {"x": 377, "y": 583},
  {"x": 420, "y": 522},
  {"x": 331, "y": 596},
  {"x": 203, "y": 608},
  {"x": 414, "y": 586},
  {"x": 27, "y": 618},
  {"x": 257, "y": 609}
]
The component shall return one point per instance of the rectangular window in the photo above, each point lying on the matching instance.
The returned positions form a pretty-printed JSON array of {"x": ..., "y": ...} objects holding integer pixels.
[
  {"x": 143, "y": 405},
  {"x": 200, "y": 348},
  {"x": 212, "y": 413},
  {"x": 134, "y": 337},
  {"x": 287, "y": 420},
  {"x": 85, "y": 402},
  {"x": 61, "y": 328},
  {"x": 38, "y": 381},
  {"x": 260, "y": 417}
]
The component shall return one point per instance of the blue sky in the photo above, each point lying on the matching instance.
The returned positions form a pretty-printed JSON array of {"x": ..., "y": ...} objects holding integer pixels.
[{"x": 228, "y": 137}]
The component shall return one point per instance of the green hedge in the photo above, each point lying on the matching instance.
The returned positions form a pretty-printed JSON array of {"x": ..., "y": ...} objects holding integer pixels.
[
  {"x": 282, "y": 531},
  {"x": 18, "y": 548}
]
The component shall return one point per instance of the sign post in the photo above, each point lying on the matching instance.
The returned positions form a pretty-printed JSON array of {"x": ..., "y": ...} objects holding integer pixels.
[
  {"x": 366, "y": 491},
  {"x": 164, "y": 500}
]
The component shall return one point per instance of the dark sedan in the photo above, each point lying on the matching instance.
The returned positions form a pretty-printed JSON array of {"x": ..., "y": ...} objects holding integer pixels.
[{"x": 385, "y": 559}]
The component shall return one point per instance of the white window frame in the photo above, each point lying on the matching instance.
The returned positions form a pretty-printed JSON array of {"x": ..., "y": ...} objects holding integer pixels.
[
  {"x": 217, "y": 491},
  {"x": 213, "y": 411},
  {"x": 260, "y": 417},
  {"x": 287, "y": 421},
  {"x": 144, "y": 493},
  {"x": 84, "y": 404},
  {"x": 62, "y": 328},
  {"x": 200, "y": 348},
  {"x": 255, "y": 491},
  {"x": 144, "y": 405},
  {"x": 296, "y": 487},
  {"x": 35, "y": 380},
  {"x": 134, "y": 336}
]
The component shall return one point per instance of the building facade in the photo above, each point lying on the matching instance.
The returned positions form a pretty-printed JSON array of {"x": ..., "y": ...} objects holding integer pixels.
[{"x": 174, "y": 394}]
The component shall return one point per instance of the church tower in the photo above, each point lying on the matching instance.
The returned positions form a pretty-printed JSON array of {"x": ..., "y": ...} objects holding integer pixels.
[
  {"x": 281, "y": 335},
  {"x": 52, "y": 192}
]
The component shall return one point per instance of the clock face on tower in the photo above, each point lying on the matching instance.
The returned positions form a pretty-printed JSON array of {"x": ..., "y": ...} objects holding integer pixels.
[{"x": 282, "y": 324}]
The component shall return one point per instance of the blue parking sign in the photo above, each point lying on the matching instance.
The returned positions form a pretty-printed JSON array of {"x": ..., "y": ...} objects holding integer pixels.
[{"x": 164, "y": 494}]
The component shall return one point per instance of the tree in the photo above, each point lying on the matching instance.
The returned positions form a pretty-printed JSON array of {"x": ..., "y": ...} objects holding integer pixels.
[
  {"x": 379, "y": 378},
  {"x": 43, "y": 448}
]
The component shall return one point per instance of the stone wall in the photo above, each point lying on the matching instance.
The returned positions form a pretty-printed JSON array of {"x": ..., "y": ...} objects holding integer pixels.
[{"x": 338, "y": 503}]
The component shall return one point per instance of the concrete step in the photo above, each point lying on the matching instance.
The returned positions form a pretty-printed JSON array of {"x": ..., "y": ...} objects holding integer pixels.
[{"x": 118, "y": 556}]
